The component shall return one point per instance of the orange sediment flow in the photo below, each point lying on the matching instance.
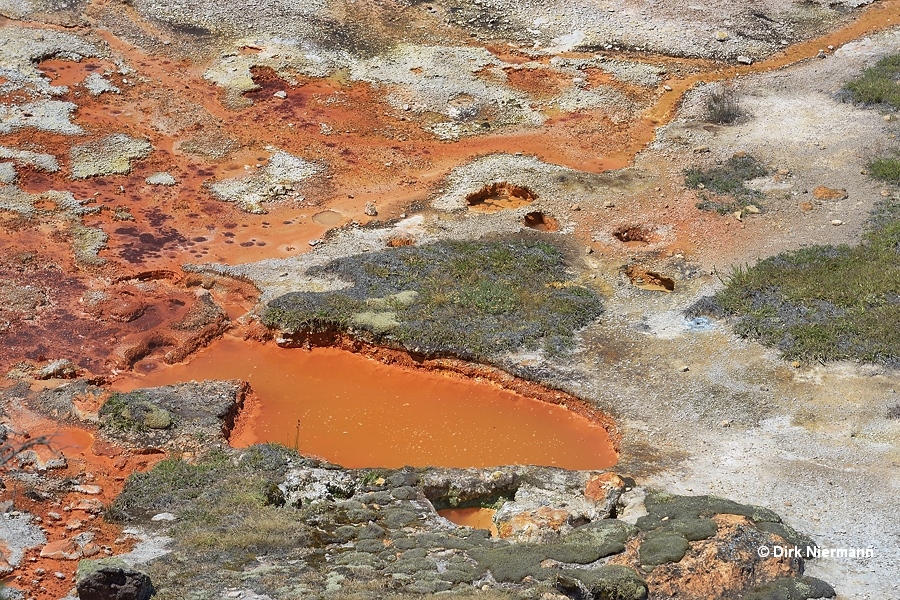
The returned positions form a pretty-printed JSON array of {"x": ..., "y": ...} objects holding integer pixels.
[
  {"x": 359, "y": 412},
  {"x": 479, "y": 518}
]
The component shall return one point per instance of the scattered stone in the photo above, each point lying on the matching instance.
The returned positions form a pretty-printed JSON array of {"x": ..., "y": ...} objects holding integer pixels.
[
  {"x": 807, "y": 206},
  {"x": 836, "y": 222},
  {"x": 89, "y": 505},
  {"x": 57, "y": 369},
  {"x": 752, "y": 209},
  {"x": 88, "y": 489},
  {"x": 62, "y": 550},
  {"x": 722, "y": 35},
  {"x": 684, "y": 368},
  {"x": 745, "y": 60},
  {"x": 826, "y": 193},
  {"x": 166, "y": 516},
  {"x": 371, "y": 210},
  {"x": 576, "y": 207},
  {"x": 161, "y": 178},
  {"x": 609, "y": 204},
  {"x": 701, "y": 149},
  {"x": 889, "y": 118},
  {"x": 281, "y": 95}
]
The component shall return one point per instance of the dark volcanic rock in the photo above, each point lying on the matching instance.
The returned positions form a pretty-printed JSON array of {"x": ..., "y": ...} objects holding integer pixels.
[{"x": 111, "y": 579}]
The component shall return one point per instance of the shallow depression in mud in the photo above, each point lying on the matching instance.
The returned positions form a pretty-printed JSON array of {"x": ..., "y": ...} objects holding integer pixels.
[{"x": 358, "y": 412}]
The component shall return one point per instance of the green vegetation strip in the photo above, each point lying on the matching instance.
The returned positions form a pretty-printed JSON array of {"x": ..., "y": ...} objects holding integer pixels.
[
  {"x": 878, "y": 84},
  {"x": 824, "y": 302},
  {"x": 467, "y": 298},
  {"x": 831, "y": 302}
]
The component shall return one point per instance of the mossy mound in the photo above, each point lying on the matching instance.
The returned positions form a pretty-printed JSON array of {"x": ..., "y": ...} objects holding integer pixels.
[
  {"x": 660, "y": 547},
  {"x": 609, "y": 582},
  {"x": 468, "y": 298},
  {"x": 689, "y": 515},
  {"x": 132, "y": 412},
  {"x": 792, "y": 588}
]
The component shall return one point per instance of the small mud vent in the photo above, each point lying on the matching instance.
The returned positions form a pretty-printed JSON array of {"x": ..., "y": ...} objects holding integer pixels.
[
  {"x": 648, "y": 280},
  {"x": 499, "y": 196},
  {"x": 541, "y": 222},
  {"x": 636, "y": 235}
]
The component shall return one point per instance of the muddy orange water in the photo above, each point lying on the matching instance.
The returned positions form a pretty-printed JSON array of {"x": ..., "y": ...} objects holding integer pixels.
[
  {"x": 358, "y": 412},
  {"x": 479, "y": 518}
]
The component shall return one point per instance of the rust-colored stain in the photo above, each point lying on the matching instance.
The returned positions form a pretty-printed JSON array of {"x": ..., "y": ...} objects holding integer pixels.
[
  {"x": 359, "y": 412},
  {"x": 372, "y": 152},
  {"x": 479, "y": 518}
]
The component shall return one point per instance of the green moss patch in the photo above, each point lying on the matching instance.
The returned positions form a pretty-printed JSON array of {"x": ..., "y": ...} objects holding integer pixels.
[
  {"x": 885, "y": 168},
  {"x": 723, "y": 186},
  {"x": 688, "y": 515},
  {"x": 662, "y": 548},
  {"x": 824, "y": 302},
  {"x": 879, "y": 84},
  {"x": 830, "y": 302},
  {"x": 468, "y": 298},
  {"x": 792, "y": 588},
  {"x": 133, "y": 412},
  {"x": 609, "y": 582}
]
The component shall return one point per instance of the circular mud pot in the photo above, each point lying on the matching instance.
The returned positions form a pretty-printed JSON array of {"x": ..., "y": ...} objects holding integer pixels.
[
  {"x": 648, "y": 280},
  {"x": 636, "y": 236},
  {"x": 499, "y": 196},
  {"x": 541, "y": 222},
  {"x": 328, "y": 218}
]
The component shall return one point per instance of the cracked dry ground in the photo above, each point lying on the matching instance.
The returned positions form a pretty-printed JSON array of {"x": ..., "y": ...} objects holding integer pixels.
[{"x": 170, "y": 168}]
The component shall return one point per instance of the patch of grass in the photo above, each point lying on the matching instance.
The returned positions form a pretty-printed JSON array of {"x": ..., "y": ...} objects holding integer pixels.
[
  {"x": 472, "y": 298},
  {"x": 826, "y": 302},
  {"x": 879, "y": 84},
  {"x": 117, "y": 414},
  {"x": 727, "y": 181},
  {"x": 886, "y": 168},
  {"x": 722, "y": 105},
  {"x": 223, "y": 504}
]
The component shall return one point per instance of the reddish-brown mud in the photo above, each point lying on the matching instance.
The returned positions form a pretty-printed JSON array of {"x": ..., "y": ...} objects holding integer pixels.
[{"x": 359, "y": 412}]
